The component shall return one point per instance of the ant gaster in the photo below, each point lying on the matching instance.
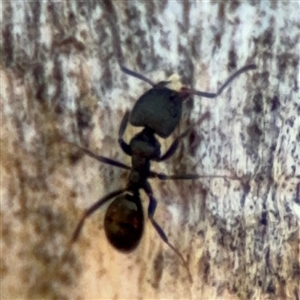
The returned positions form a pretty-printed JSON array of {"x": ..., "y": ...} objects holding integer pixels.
[{"x": 159, "y": 112}]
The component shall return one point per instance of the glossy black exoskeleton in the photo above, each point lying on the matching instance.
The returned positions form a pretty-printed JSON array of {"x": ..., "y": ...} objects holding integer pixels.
[
  {"x": 160, "y": 108},
  {"x": 158, "y": 111},
  {"x": 124, "y": 230}
]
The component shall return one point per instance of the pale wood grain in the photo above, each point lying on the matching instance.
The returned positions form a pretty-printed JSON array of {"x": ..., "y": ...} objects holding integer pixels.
[{"x": 60, "y": 77}]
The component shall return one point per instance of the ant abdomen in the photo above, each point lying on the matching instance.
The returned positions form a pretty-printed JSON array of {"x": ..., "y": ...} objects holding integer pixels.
[{"x": 124, "y": 222}]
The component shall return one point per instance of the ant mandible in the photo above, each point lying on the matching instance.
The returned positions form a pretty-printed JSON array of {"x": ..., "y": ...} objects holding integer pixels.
[{"x": 159, "y": 112}]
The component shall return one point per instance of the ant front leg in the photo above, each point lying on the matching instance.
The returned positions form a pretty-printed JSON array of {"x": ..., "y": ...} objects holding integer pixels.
[
  {"x": 124, "y": 146},
  {"x": 159, "y": 230},
  {"x": 176, "y": 142}
]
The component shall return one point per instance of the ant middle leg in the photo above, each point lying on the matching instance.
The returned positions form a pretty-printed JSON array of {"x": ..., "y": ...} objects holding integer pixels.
[
  {"x": 159, "y": 230},
  {"x": 100, "y": 158},
  {"x": 163, "y": 176}
]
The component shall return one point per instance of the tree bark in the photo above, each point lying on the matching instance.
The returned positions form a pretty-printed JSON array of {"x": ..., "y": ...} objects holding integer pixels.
[{"x": 61, "y": 80}]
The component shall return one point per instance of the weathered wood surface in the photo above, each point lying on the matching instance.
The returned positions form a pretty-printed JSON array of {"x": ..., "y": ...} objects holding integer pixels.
[{"x": 60, "y": 77}]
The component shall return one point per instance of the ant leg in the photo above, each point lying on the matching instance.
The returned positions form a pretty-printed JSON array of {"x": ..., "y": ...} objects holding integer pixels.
[
  {"x": 225, "y": 84},
  {"x": 137, "y": 75},
  {"x": 176, "y": 142},
  {"x": 85, "y": 215},
  {"x": 92, "y": 209},
  {"x": 159, "y": 230},
  {"x": 100, "y": 158},
  {"x": 163, "y": 176},
  {"x": 124, "y": 146}
]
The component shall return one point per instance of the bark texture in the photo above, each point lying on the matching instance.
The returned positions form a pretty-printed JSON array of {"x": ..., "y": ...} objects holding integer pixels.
[{"x": 60, "y": 78}]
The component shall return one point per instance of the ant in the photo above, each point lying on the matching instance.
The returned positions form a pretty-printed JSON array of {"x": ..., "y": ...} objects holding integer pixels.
[{"x": 158, "y": 111}]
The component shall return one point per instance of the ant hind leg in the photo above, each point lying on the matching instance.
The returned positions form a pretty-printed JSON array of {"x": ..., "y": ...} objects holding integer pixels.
[
  {"x": 91, "y": 210},
  {"x": 84, "y": 216},
  {"x": 159, "y": 230}
]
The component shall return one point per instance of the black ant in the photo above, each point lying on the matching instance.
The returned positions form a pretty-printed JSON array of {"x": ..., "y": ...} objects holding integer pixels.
[{"x": 159, "y": 112}]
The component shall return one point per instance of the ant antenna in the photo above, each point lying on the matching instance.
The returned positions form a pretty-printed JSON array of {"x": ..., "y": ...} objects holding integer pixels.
[
  {"x": 137, "y": 75},
  {"x": 225, "y": 84},
  {"x": 195, "y": 92}
]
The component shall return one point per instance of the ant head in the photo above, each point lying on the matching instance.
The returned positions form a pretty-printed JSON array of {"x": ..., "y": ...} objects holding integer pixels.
[{"x": 124, "y": 222}]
